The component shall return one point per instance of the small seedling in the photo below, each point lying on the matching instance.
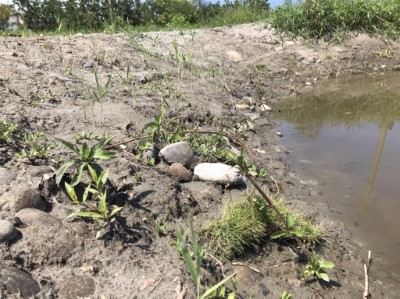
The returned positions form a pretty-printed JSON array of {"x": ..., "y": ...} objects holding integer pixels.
[
  {"x": 289, "y": 230},
  {"x": 285, "y": 295},
  {"x": 99, "y": 189},
  {"x": 87, "y": 157},
  {"x": 316, "y": 267},
  {"x": 193, "y": 264},
  {"x": 125, "y": 79},
  {"x": 6, "y": 130},
  {"x": 32, "y": 148}
]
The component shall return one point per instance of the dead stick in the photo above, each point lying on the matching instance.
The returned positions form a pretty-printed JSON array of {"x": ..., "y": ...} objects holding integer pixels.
[{"x": 366, "y": 266}]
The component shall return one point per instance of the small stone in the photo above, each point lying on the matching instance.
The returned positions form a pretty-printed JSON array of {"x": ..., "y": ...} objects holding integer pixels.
[
  {"x": 396, "y": 67},
  {"x": 241, "y": 106},
  {"x": 245, "y": 277},
  {"x": 281, "y": 149},
  {"x": 265, "y": 107},
  {"x": 289, "y": 43},
  {"x": 75, "y": 287},
  {"x": 16, "y": 282},
  {"x": 88, "y": 65},
  {"x": 179, "y": 152},
  {"x": 151, "y": 153},
  {"x": 279, "y": 134},
  {"x": 219, "y": 173},
  {"x": 315, "y": 192},
  {"x": 7, "y": 231},
  {"x": 181, "y": 172},
  {"x": 234, "y": 55},
  {"x": 252, "y": 116},
  {"x": 248, "y": 100},
  {"x": 253, "y": 108},
  {"x": 308, "y": 84},
  {"x": 37, "y": 217}
]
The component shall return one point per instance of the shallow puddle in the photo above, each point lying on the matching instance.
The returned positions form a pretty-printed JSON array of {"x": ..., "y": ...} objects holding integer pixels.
[{"x": 343, "y": 137}]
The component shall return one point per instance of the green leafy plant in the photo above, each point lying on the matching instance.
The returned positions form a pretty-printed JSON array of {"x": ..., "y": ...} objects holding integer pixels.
[
  {"x": 289, "y": 230},
  {"x": 33, "y": 148},
  {"x": 156, "y": 128},
  {"x": 6, "y": 130},
  {"x": 87, "y": 157},
  {"x": 285, "y": 295},
  {"x": 316, "y": 267},
  {"x": 99, "y": 189},
  {"x": 193, "y": 264}
]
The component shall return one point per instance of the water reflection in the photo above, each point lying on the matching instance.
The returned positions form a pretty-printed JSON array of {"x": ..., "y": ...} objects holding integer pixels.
[{"x": 349, "y": 129}]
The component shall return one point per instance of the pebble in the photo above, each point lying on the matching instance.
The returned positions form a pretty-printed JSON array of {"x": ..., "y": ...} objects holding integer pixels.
[
  {"x": 234, "y": 55},
  {"x": 245, "y": 277},
  {"x": 396, "y": 67},
  {"x": 17, "y": 282},
  {"x": 242, "y": 106},
  {"x": 265, "y": 107},
  {"x": 7, "y": 231},
  {"x": 150, "y": 153},
  {"x": 179, "y": 152},
  {"x": 38, "y": 171},
  {"x": 181, "y": 172},
  {"x": 252, "y": 116},
  {"x": 219, "y": 173},
  {"x": 308, "y": 84},
  {"x": 281, "y": 149},
  {"x": 279, "y": 134},
  {"x": 88, "y": 65},
  {"x": 75, "y": 287},
  {"x": 294, "y": 282},
  {"x": 32, "y": 217}
]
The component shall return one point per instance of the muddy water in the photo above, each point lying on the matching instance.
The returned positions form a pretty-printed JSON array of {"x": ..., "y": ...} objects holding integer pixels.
[{"x": 343, "y": 137}]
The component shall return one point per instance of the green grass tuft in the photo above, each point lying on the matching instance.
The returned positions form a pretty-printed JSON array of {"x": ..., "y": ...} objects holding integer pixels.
[{"x": 248, "y": 222}]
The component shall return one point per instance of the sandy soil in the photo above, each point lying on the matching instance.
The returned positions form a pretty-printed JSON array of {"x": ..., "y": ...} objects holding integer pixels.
[{"x": 44, "y": 83}]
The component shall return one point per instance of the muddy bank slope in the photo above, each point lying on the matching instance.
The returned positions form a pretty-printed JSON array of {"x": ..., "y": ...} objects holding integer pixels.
[{"x": 211, "y": 78}]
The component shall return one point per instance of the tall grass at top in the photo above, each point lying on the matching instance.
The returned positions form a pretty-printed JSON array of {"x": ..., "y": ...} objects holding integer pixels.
[{"x": 335, "y": 18}]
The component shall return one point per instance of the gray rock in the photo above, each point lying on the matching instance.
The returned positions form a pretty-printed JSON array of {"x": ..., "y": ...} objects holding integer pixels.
[
  {"x": 88, "y": 65},
  {"x": 150, "y": 153},
  {"x": 22, "y": 198},
  {"x": 179, "y": 152},
  {"x": 16, "y": 281},
  {"x": 37, "y": 217},
  {"x": 77, "y": 287},
  {"x": 7, "y": 231},
  {"x": 219, "y": 173}
]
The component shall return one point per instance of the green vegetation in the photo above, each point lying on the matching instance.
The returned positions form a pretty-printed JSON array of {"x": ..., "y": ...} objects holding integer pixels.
[
  {"x": 193, "y": 264},
  {"x": 334, "y": 19},
  {"x": 99, "y": 189},
  {"x": 285, "y": 295},
  {"x": 86, "y": 160},
  {"x": 316, "y": 267},
  {"x": 126, "y": 15},
  {"x": 32, "y": 147},
  {"x": 246, "y": 223}
]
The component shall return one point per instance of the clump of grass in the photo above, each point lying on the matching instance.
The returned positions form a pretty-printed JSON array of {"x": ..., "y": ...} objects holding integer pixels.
[
  {"x": 335, "y": 18},
  {"x": 248, "y": 222},
  {"x": 239, "y": 227}
]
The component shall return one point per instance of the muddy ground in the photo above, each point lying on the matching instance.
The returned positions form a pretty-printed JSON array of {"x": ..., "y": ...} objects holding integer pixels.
[{"x": 44, "y": 86}]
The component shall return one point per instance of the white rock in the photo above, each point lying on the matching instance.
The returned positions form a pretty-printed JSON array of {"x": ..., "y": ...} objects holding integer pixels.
[
  {"x": 265, "y": 107},
  {"x": 234, "y": 55},
  {"x": 219, "y": 173}
]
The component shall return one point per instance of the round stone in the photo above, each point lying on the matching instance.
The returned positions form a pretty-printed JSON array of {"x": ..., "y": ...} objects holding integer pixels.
[
  {"x": 7, "y": 231},
  {"x": 75, "y": 287},
  {"x": 16, "y": 281}
]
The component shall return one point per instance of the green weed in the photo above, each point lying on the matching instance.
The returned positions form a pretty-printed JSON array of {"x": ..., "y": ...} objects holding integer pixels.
[
  {"x": 33, "y": 148},
  {"x": 316, "y": 267},
  {"x": 7, "y": 129},
  {"x": 87, "y": 157},
  {"x": 193, "y": 264}
]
